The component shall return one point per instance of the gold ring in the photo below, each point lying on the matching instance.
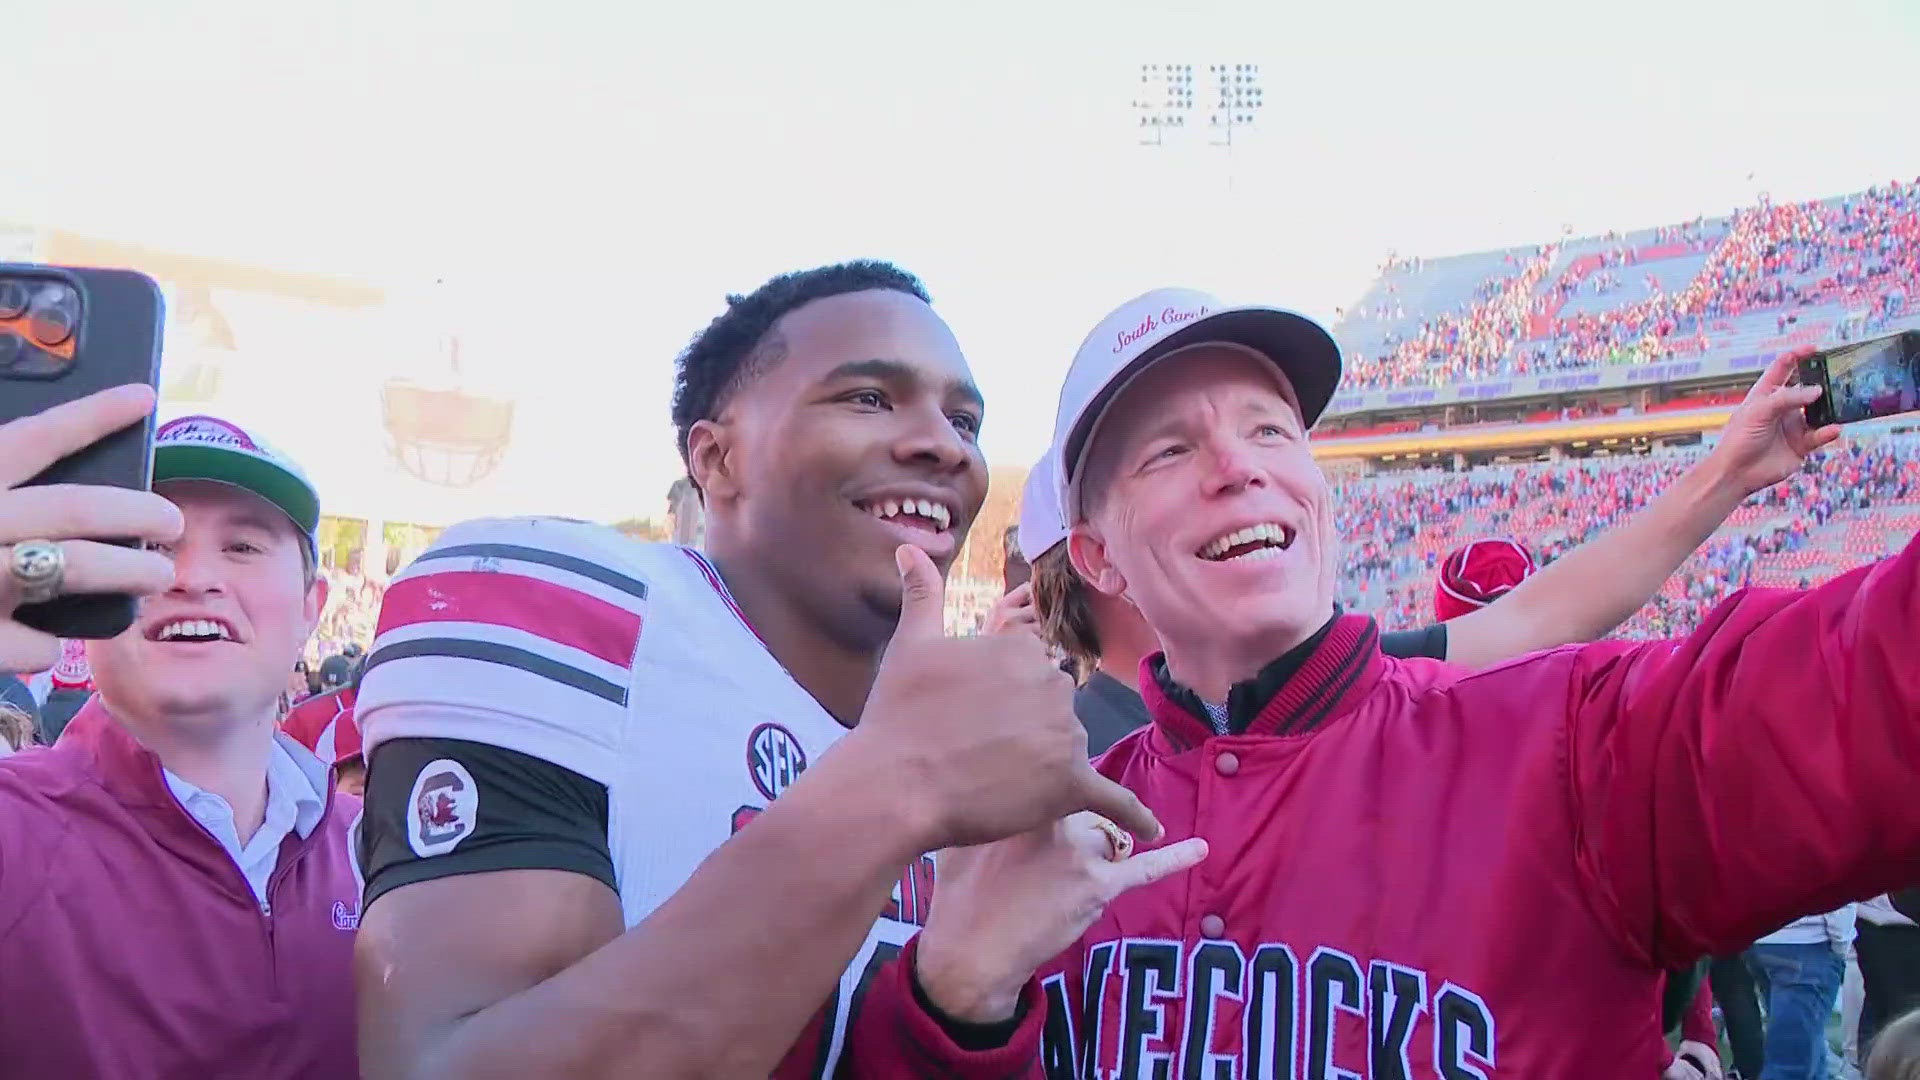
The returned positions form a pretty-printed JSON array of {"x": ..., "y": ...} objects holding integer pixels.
[
  {"x": 38, "y": 567},
  {"x": 1119, "y": 841}
]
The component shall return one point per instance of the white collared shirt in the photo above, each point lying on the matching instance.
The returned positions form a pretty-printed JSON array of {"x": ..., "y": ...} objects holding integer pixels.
[{"x": 294, "y": 804}]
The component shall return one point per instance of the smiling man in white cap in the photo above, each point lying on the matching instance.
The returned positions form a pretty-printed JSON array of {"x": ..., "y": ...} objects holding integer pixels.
[
  {"x": 176, "y": 893},
  {"x": 1414, "y": 870}
]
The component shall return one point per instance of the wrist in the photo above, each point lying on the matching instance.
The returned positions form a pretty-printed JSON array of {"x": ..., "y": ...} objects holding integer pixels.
[
  {"x": 889, "y": 791},
  {"x": 955, "y": 985}
]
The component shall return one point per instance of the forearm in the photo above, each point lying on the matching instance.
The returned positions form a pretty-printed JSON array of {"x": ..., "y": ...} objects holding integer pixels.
[
  {"x": 724, "y": 976},
  {"x": 1586, "y": 593}
]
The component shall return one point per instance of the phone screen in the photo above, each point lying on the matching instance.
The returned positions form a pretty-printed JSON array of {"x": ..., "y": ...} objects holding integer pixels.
[{"x": 1873, "y": 378}]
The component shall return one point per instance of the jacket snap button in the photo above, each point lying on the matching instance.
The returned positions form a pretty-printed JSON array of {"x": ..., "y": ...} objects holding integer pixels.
[
  {"x": 1213, "y": 926},
  {"x": 1227, "y": 763}
]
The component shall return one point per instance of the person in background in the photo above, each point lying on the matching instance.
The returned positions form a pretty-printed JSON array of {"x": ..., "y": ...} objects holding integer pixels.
[
  {"x": 16, "y": 729},
  {"x": 1887, "y": 945},
  {"x": 1799, "y": 968},
  {"x": 15, "y": 695},
  {"x": 1731, "y": 978},
  {"x": 335, "y": 673},
  {"x": 297, "y": 685},
  {"x": 1895, "y": 1054},
  {"x": 70, "y": 684},
  {"x": 325, "y": 724},
  {"x": 207, "y": 899}
]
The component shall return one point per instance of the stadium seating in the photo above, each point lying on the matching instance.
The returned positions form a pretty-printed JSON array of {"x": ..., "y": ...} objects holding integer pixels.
[
  {"x": 1765, "y": 278},
  {"x": 1846, "y": 508}
]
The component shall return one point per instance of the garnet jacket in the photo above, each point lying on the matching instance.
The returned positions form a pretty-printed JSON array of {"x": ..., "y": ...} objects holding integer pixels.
[
  {"x": 1446, "y": 874},
  {"x": 132, "y": 947}
]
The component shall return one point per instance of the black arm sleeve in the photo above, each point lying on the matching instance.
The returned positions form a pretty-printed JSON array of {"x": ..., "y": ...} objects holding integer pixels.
[
  {"x": 524, "y": 814},
  {"x": 1430, "y": 642}
]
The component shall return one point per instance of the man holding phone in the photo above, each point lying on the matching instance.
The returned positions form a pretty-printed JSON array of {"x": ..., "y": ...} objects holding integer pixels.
[
  {"x": 177, "y": 895},
  {"x": 1416, "y": 870}
]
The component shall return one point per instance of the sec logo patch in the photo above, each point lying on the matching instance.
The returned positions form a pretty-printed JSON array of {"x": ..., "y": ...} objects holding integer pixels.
[
  {"x": 774, "y": 759},
  {"x": 445, "y": 807}
]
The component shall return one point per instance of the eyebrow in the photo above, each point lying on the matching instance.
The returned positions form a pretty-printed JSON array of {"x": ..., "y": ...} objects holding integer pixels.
[
  {"x": 901, "y": 371},
  {"x": 248, "y": 520}
]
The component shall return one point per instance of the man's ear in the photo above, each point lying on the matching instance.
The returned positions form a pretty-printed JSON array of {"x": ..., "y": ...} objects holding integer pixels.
[
  {"x": 710, "y": 460},
  {"x": 1088, "y": 554},
  {"x": 316, "y": 604}
]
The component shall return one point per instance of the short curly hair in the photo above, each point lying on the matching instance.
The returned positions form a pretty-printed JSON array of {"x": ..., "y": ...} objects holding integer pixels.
[{"x": 738, "y": 344}]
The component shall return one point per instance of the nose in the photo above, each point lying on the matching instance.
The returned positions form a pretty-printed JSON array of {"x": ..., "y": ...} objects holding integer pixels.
[
  {"x": 1231, "y": 465},
  {"x": 197, "y": 570},
  {"x": 928, "y": 439}
]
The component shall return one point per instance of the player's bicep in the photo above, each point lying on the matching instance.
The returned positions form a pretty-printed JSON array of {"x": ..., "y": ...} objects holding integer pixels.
[
  {"x": 435, "y": 953},
  {"x": 487, "y": 872}
]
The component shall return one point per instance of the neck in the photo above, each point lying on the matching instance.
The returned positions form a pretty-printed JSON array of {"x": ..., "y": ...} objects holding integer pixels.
[
  {"x": 836, "y": 674},
  {"x": 1125, "y": 638},
  {"x": 224, "y": 755},
  {"x": 1211, "y": 668}
]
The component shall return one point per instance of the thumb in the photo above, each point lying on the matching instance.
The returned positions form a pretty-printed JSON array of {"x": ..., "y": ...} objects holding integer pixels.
[
  {"x": 1150, "y": 866},
  {"x": 923, "y": 596}
]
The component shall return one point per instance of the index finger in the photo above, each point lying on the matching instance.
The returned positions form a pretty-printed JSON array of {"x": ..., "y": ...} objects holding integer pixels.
[
  {"x": 1118, "y": 805},
  {"x": 1781, "y": 369},
  {"x": 31, "y": 443}
]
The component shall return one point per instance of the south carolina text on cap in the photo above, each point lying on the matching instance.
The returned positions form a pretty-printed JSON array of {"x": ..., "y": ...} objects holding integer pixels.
[
  {"x": 1157, "y": 324},
  {"x": 208, "y": 448}
]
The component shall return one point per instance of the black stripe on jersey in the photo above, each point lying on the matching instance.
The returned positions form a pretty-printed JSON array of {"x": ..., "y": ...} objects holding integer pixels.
[
  {"x": 611, "y": 578},
  {"x": 506, "y": 655}
]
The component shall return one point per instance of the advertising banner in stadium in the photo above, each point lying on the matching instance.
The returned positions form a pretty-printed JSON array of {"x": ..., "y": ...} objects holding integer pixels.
[{"x": 1569, "y": 382}]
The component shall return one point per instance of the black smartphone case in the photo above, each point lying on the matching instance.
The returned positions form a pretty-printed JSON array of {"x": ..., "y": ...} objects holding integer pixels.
[{"x": 116, "y": 341}]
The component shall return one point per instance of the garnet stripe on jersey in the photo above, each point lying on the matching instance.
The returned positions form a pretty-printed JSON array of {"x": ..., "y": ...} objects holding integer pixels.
[
  {"x": 554, "y": 612},
  {"x": 631, "y": 586},
  {"x": 505, "y": 655}
]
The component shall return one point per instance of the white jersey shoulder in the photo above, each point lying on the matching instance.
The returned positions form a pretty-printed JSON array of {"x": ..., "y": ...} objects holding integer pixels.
[{"x": 520, "y": 632}]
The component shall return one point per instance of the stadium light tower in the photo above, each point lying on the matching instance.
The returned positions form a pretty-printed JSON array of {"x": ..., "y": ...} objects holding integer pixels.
[
  {"x": 1235, "y": 98},
  {"x": 1163, "y": 103},
  {"x": 1167, "y": 103}
]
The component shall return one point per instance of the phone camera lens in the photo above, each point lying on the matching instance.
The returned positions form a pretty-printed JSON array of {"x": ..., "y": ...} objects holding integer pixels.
[
  {"x": 13, "y": 299},
  {"x": 51, "y": 317}
]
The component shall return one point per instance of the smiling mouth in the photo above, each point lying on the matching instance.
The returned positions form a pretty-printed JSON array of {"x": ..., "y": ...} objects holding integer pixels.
[
  {"x": 192, "y": 630},
  {"x": 923, "y": 514},
  {"x": 1265, "y": 541}
]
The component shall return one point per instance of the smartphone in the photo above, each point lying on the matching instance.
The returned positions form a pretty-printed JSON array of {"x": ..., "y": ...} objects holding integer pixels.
[
  {"x": 1877, "y": 377},
  {"x": 66, "y": 332}
]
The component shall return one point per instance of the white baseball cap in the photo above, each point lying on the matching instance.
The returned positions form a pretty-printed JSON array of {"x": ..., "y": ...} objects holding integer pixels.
[
  {"x": 1042, "y": 525},
  {"x": 1156, "y": 324},
  {"x": 208, "y": 448}
]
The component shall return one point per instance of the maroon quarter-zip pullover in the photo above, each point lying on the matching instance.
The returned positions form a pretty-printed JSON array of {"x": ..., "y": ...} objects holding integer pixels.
[{"x": 131, "y": 945}]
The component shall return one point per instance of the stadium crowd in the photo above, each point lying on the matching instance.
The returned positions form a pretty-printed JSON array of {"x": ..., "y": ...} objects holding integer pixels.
[
  {"x": 1860, "y": 251},
  {"x": 591, "y": 922}
]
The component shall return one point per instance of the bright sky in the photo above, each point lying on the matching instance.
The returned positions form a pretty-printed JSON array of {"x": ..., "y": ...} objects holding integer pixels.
[{"x": 623, "y": 166}]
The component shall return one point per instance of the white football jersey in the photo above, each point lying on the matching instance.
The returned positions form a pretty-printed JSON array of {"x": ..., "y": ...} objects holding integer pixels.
[{"x": 625, "y": 662}]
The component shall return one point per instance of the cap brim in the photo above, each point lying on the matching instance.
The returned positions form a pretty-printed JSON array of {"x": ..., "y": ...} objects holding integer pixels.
[
  {"x": 182, "y": 461},
  {"x": 1297, "y": 345}
]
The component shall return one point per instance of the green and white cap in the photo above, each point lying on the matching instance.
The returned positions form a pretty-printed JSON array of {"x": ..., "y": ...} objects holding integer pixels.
[{"x": 208, "y": 448}]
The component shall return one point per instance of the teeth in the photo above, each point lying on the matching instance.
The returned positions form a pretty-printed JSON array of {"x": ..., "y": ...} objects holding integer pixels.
[
  {"x": 926, "y": 508},
  {"x": 1271, "y": 533},
  {"x": 180, "y": 628}
]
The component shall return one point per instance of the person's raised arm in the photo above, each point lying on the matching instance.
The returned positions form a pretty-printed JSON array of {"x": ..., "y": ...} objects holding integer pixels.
[
  {"x": 1586, "y": 593},
  {"x": 1756, "y": 770},
  {"x": 528, "y": 970}
]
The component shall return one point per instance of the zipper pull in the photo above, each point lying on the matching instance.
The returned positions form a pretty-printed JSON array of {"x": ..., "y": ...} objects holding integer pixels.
[{"x": 266, "y": 908}]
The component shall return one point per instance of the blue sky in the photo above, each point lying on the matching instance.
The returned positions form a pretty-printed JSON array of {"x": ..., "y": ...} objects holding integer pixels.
[{"x": 627, "y": 165}]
